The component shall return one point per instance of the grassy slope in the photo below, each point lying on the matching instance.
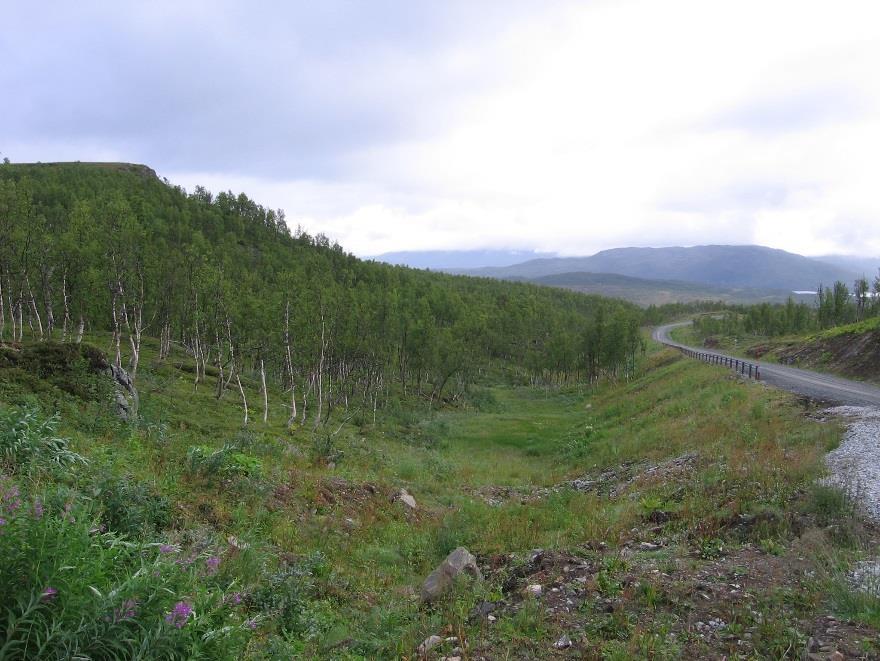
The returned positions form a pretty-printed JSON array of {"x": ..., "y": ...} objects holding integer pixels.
[{"x": 757, "y": 456}]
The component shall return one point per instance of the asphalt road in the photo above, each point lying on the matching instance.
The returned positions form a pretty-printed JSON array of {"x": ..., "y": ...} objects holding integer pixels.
[{"x": 804, "y": 382}]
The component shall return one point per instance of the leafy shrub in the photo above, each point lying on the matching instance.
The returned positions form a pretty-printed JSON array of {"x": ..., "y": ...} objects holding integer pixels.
[
  {"x": 73, "y": 591},
  {"x": 132, "y": 508},
  {"x": 74, "y": 368},
  {"x": 28, "y": 438},
  {"x": 225, "y": 463},
  {"x": 483, "y": 400},
  {"x": 289, "y": 593}
]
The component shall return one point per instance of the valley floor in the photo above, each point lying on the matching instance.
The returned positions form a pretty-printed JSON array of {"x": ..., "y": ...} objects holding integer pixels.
[{"x": 678, "y": 514}]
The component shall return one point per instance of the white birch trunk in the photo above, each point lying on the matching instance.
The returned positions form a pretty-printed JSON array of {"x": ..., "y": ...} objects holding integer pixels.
[
  {"x": 243, "y": 399},
  {"x": 265, "y": 392}
]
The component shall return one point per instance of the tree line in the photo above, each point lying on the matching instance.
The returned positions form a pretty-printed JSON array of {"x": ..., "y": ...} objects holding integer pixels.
[
  {"x": 834, "y": 306},
  {"x": 93, "y": 249}
]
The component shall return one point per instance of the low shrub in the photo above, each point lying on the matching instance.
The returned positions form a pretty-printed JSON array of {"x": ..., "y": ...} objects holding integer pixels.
[
  {"x": 29, "y": 439},
  {"x": 72, "y": 590},
  {"x": 132, "y": 508},
  {"x": 226, "y": 463}
]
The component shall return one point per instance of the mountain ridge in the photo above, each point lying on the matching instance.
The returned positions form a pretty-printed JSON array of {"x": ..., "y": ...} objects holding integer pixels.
[{"x": 731, "y": 266}]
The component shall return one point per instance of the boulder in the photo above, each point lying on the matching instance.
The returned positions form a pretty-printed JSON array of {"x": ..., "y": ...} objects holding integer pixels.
[
  {"x": 126, "y": 399},
  {"x": 441, "y": 579},
  {"x": 406, "y": 498}
]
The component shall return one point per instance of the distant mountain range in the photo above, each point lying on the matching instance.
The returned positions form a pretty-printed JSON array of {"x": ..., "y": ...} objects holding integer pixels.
[
  {"x": 722, "y": 266},
  {"x": 656, "y": 275},
  {"x": 645, "y": 292}
]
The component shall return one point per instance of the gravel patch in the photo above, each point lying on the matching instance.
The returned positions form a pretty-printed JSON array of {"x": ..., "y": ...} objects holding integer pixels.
[{"x": 855, "y": 465}]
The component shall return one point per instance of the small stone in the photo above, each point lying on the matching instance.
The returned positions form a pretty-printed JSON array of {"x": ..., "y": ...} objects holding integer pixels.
[
  {"x": 535, "y": 590},
  {"x": 406, "y": 498},
  {"x": 563, "y": 643},
  {"x": 648, "y": 546},
  {"x": 491, "y": 618},
  {"x": 429, "y": 643}
]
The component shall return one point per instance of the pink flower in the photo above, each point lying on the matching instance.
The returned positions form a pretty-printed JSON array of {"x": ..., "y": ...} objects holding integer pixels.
[
  {"x": 49, "y": 594},
  {"x": 166, "y": 548},
  {"x": 179, "y": 614},
  {"x": 212, "y": 563}
]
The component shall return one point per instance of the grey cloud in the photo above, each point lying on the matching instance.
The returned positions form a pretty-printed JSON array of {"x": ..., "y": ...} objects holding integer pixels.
[
  {"x": 794, "y": 111},
  {"x": 744, "y": 196},
  {"x": 281, "y": 90}
]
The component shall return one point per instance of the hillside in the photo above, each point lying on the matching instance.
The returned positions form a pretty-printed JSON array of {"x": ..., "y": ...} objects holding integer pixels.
[
  {"x": 656, "y": 292},
  {"x": 266, "y": 542},
  {"x": 753, "y": 267},
  {"x": 110, "y": 247}
]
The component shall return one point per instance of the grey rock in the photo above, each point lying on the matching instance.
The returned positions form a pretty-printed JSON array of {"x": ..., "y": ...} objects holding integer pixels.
[
  {"x": 429, "y": 643},
  {"x": 563, "y": 643},
  {"x": 535, "y": 590},
  {"x": 440, "y": 580},
  {"x": 126, "y": 398},
  {"x": 406, "y": 498}
]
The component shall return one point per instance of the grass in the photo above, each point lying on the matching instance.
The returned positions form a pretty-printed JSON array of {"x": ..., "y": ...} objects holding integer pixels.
[{"x": 330, "y": 566}]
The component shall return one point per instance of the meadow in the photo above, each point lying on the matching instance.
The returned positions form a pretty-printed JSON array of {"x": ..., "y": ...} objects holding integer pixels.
[{"x": 635, "y": 504}]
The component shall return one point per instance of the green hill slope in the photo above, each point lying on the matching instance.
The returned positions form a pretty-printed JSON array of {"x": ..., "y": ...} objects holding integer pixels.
[{"x": 110, "y": 247}]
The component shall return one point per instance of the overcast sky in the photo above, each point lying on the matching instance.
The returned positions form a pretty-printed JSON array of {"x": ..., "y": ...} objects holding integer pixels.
[{"x": 554, "y": 126}]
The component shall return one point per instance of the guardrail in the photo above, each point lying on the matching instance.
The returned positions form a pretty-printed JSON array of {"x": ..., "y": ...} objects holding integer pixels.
[{"x": 745, "y": 368}]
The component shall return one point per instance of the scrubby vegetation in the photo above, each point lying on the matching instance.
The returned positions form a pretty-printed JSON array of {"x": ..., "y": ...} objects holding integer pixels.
[{"x": 183, "y": 536}]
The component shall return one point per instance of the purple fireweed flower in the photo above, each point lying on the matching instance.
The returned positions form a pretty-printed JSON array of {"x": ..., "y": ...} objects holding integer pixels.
[
  {"x": 251, "y": 624},
  {"x": 179, "y": 614},
  {"x": 49, "y": 593},
  {"x": 127, "y": 610},
  {"x": 38, "y": 509},
  {"x": 2, "y": 521},
  {"x": 9, "y": 496},
  {"x": 166, "y": 548},
  {"x": 213, "y": 564}
]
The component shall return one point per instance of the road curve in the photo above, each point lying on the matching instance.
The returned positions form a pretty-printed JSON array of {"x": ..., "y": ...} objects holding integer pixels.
[{"x": 803, "y": 382}]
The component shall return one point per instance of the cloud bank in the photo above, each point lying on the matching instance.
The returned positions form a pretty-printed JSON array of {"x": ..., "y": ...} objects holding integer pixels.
[{"x": 553, "y": 126}]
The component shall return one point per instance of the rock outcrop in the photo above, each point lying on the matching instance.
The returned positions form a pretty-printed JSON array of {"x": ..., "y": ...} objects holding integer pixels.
[{"x": 441, "y": 579}]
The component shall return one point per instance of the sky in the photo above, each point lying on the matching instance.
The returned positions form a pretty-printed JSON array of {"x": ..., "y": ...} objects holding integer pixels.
[{"x": 554, "y": 126}]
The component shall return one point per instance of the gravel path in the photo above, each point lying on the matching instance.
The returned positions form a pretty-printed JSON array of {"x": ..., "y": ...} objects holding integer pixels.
[{"x": 855, "y": 464}]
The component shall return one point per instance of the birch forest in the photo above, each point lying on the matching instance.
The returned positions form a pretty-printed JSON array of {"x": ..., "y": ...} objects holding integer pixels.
[{"x": 113, "y": 254}]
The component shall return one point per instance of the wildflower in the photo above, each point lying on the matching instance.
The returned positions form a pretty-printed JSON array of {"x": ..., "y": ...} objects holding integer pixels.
[
  {"x": 166, "y": 548},
  {"x": 179, "y": 614},
  {"x": 49, "y": 593},
  {"x": 127, "y": 610},
  {"x": 251, "y": 624},
  {"x": 212, "y": 563},
  {"x": 2, "y": 521},
  {"x": 236, "y": 598},
  {"x": 38, "y": 509},
  {"x": 9, "y": 496}
]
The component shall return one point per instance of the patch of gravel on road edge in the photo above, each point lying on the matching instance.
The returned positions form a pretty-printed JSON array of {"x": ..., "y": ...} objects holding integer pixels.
[{"x": 855, "y": 464}]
